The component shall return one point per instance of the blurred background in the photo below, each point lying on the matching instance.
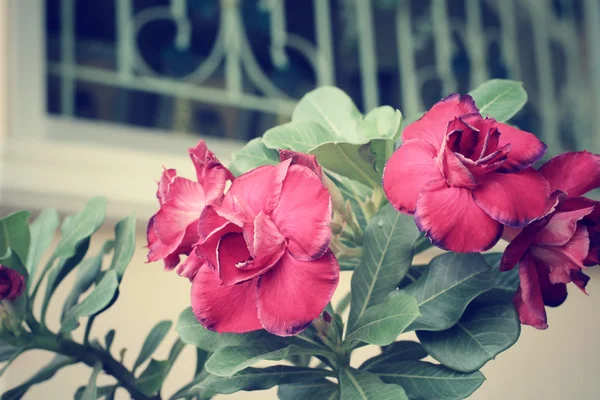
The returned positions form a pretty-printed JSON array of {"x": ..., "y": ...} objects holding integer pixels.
[{"x": 95, "y": 96}]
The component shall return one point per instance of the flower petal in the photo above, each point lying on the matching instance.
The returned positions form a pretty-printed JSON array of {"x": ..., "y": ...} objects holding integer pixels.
[
  {"x": 561, "y": 227},
  {"x": 528, "y": 299},
  {"x": 224, "y": 308},
  {"x": 166, "y": 179},
  {"x": 409, "y": 169},
  {"x": 455, "y": 172},
  {"x": 519, "y": 245},
  {"x": 307, "y": 160},
  {"x": 552, "y": 294},
  {"x": 233, "y": 260},
  {"x": 575, "y": 173},
  {"x": 502, "y": 197},
  {"x": 580, "y": 280},
  {"x": 432, "y": 127},
  {"x": 303, "y": 214},
  {"x": 211, "y": 174},
  {"x": 489, "y": 136},
  {"x": 293, "y": 293},
  {"x": 190, "y": 266},
  {"x": 526, "y": 147},
  {"x": 453, "y": 221},
  {"x": 268, "y": 244}
]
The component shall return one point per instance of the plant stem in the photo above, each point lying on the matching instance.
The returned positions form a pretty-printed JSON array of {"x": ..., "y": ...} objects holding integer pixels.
[{"x": 90, "y": 356}]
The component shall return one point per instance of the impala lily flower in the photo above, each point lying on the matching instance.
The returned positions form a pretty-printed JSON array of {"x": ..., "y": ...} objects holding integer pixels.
[
  {"x": 464, "y": 176},
  {"x": 263, "y": 254},
  {"x": 173, "y": 229},
  {"x": 553, "y": 251},
  {"x": 11, "y": 283}
]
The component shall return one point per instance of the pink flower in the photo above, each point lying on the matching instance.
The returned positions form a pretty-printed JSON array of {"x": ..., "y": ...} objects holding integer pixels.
[
  {"x": 464, "y": 176},
  {"x": 173, "y": 229},
  {"x": 11, "y": 283},
  {"x": 267, "y": 250},
  {"x": 553, "y": 251}
]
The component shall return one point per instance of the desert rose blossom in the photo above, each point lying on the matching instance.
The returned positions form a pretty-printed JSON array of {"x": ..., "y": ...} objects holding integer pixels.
[
  {"x": 464, "y": 176},
  {"x": 173, "y": 229},
  {"x": 11, "y": 283},
  {"x": 554, "y": 251},
  {"x": 263, "y": 254}
]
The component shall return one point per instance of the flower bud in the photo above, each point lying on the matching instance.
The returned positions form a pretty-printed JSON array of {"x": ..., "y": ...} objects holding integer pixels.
[{"x": 11, "y": 283}]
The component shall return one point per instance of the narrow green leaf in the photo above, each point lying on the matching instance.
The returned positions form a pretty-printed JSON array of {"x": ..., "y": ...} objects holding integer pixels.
[
  {"x": 388, "y": 251},
  {"x": 424, "y": 381},
  {"x": 382, "y": 323},
  {"x": 42, "y": 232},
  {"x": 447, "y": 287},
  {"x": 192, "y": 332},
  {"x": 15, "y": 353},
  {"x": 381, "y": 122},
  {"x": 253, "y": 154},
  {"x": 298, "y": 136},
  {"x": 151, "y": 380},
  {"x": 399, "y": 351},
  {"x": 333, "y": 109},
  {"x": 14, "y": 234},
  {"x": 47, "y": 372},
  {"x": 259, "y": 379},
  {"x": 80, "y": 226},
  {"x": 484, "y": 331},
  {"x": 175, "y": 351},
  {"x": 361, "y": 385},
  {"x": 102, "y": 391},
  {"x": 91, "y": 390},
  {"x": 124, "y": 245},
  {"x": 7, "y": 350},
  {"x": 354, "y": 161},
  {"x": 320, "y": 389},
  {"x": 500, "y": 98},
  {"x": 93, "y": 303},
  {"x": 108, "y": 339},
  {"x": 153, "y": 340}
]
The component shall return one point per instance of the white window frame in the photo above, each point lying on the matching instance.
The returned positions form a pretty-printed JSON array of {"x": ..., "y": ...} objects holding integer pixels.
[{"x": 54, "y": 161}]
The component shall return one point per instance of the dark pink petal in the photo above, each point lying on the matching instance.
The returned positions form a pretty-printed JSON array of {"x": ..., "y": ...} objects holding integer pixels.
[
  {"x": 208, "y": 248},
  {"x": 210, "y": 172},
  {"x": 190, "y": 266},
  {"x": 455, "y": 172},
  {"x": 267, "y": 244},
  {"x": 409, "y": 169},
  {"x": 307, "y": 160},
  {"x": 526, "y": 148},
  {"x": 575, "y": 173},
  {"x": 489, "y": 136},
  {"x": 304, "y": 213},
  {"x": 293, "y": 293},
  {"x": 552, "y": 294},
  {"x": 11, "y": 283},
  {"x": 561, "y": 260},
  {"x": 432, "y": 127},
  {"x": 166, "y": 179},
  {"x": 210, "y": 222},
  {"x": 184, "y": 205},
  {"x": 502, "y": 197},
  {"x": 561, "y": 227},
  {"x": 520, "y": 243},
  {"x": 157, "y": 250},
  {"x": 453, "y": 221},
  {"x": 462, "y": 137},
  {"x": 257, "y": 190},
  {"x": 528, "y": 299},
  {"x": 224, "y": 308},
  {"x": 580, "y": 280}
]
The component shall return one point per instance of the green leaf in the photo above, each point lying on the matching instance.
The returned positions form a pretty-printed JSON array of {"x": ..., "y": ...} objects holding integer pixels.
[
  {"x": 226, "y": 361},
  {"x": 87, "y": 272},
  {"x": 351, "y": 160},
  {"x": 253, "y": 154},
  {"x": 151, "y": 380},
  {"x": 7, "y": 350},
  {"x": 102, "y": 391},
  {"x": 360, "y": 385},
  {"x": 192, "y": 332},
  {"x": 447, "y": 287},
  {"x": 153, "y": 340},
  {"x": 500, "y": 98},
  {"x": 12, "y": 261},
  {"x": 14, "y": 234},
  {"x": 259, "y": 379},
  {"x": 175, "y": 351},
  {"x": 484, "y": 331},
  {"x": 424, "y": 381},
  {"x": 91, "y": 390},
  {"x": 382, "y": 323},
  {"x": 298, "y": 136},
  {"x": 388, "y": 250},
  {"x": 316, "y": 390},
  {"x": 42, "y": 232},
  {"x": 333, "y": 109},
  {"x": 124, "y": 245},
  {"x": 80, "y": 226},
  {"x": 108, "y": 339},
  {"x": 381, "y": 122},
  {"x": 399, "y": 351},
  {"x": 95, "y": 302},
  {"x": 47, "y": 372}
]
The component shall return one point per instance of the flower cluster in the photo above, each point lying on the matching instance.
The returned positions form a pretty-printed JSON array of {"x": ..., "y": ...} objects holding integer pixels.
[
  {"x": 257, "y": 254},
  {"x": 469, "y": 181}
]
